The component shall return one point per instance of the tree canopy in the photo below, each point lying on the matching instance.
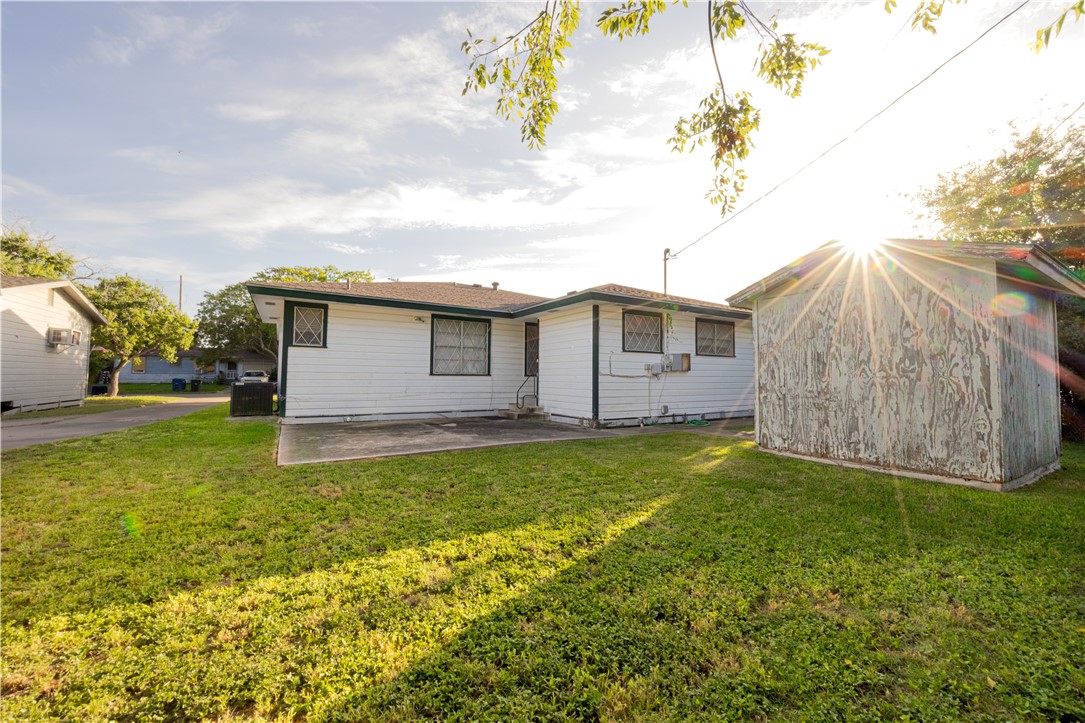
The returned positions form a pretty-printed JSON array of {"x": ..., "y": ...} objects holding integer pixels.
[
  {"x": 24, "y": 255},
  {"x": 141, "y": 321},
  {"x": 230, "y": 323},
  {"x": 1032, "y": 192},
  {"x": 311, "y": 273},
  {"x": 524, "y": 69}
]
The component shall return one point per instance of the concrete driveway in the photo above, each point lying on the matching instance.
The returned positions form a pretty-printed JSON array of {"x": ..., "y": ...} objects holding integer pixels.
[
  {"x": 306, "y": 443},
  {"x": 17, "y": 433}
]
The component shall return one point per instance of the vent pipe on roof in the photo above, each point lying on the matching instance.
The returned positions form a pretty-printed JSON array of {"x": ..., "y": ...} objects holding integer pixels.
[
  {"x": 348, "y": 283},
  {"x": 494, "y": 284}
]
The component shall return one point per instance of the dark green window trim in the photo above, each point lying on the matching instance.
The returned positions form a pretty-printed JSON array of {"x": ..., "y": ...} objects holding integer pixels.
[
  {"x": 697, "y": 336},
  {"x": 474, "y": 320},
  {"x": 595, "y": 364},
  {"x": 291, "y": 312},
  {"x": 652, "y": 314}
]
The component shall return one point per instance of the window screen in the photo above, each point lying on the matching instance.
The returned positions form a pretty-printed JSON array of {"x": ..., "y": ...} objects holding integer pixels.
[
  {"x": 715, "y": 338},
  {"x": 642, "y": 332},
  {"x": 460, "y": 346},
  {"x": 308, "y": 326}
]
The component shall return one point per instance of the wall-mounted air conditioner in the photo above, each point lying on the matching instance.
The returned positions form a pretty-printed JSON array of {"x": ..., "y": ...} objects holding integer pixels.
[
  {"x": 676, "y": 362},
  {"x": 59, "y": 337}
]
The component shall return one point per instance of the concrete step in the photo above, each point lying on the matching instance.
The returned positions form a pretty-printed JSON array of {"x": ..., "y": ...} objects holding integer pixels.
[
  {"x": 526, "y": 409},
  {"x": 518, "y": 414}
]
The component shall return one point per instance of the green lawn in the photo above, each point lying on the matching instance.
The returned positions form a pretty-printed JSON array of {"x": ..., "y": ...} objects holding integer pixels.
[
  {"x": 165, "y": 388},
  {"x": 91, "y": 405},
  {"x": 173, "y": 572}
]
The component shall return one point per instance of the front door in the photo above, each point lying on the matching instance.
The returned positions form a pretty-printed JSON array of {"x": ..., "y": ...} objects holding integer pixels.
[{"x": 531, "y": 349}]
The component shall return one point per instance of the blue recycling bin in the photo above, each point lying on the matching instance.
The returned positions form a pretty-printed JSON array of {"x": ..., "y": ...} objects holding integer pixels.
[{"x": 178, "y": 385}]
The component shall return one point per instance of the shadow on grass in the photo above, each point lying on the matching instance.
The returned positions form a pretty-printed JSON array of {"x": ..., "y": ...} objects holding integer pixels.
[{"x": 794, "y": 599}]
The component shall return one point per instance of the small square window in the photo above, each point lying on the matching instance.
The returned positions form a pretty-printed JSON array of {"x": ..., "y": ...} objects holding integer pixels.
[
  {"x": 715, "y": 338},
  {"x": 77, "y": 337},
  {"x": 642, "y": 331},
  {"x": 308, "y": 326},
  {"x": 139, "y": 366}
]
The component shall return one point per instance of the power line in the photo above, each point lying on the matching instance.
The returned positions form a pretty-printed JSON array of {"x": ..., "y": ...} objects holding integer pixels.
[{"x": 848, "y": 137}]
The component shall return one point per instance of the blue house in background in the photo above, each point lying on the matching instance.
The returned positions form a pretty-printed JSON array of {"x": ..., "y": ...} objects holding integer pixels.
[{"x": 154, "y": 369}]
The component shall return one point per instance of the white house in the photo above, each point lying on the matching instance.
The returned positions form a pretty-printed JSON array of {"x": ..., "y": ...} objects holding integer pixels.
[
  {"x": 925, "y": 358},
  {"x": 44, "y": 343},
  {"x": 610, "y": 355}
]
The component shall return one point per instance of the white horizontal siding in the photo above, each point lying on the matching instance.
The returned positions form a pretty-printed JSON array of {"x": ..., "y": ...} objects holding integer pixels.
[
  {"x": 377, "y": 364},
  {"x": 33, "y": 374},
  {"x": 565, "y": 363},
  {"x": 714, "y": 386}
]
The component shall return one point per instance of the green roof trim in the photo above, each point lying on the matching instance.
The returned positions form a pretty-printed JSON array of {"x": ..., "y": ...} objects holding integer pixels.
[
  {"x": 523, "y": 311},
  {"x": 370, "y": 301}
]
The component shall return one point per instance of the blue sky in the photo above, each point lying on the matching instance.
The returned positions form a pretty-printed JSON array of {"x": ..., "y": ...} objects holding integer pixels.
[{"x": 211, "y": 140}]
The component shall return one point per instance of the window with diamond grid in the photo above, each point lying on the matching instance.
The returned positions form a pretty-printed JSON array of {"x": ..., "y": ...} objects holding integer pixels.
[
  {"x": 715, "y": 338},
  {"x": 642, "y": 332},
  {"x": 308, "y": 326},
  {"x": 461, "y": 347}
]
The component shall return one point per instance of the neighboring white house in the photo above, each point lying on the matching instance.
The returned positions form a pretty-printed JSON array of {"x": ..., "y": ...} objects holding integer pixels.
[
  {"x": 610, "y": 355},
  {"x": 44, "y": 343},
  {"x": 926, "y": 358}
]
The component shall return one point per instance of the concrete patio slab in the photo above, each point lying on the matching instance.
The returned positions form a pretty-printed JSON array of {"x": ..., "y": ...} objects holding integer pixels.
[
  {"x": 339, "y": 442},
  {"x": 304, "y": 443}
]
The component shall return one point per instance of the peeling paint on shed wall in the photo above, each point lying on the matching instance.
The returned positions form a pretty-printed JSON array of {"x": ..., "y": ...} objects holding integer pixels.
[
  {"x": 1029, "y": 359},
  {"x": 895, "y": 366}
]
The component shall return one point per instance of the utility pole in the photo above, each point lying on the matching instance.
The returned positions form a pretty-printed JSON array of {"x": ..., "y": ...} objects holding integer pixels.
[
  {"x": 180, "y": 289},
  {"x": 666, "y": 256}
]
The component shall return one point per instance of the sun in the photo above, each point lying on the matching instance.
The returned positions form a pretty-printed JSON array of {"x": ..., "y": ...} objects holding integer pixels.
[{"x": 860, "y": 247}]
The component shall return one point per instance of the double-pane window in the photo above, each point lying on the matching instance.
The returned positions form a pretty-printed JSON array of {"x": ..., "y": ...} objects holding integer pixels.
[
  {"x": 715, "y": 338},
  {"x": 460, "y": 347}
]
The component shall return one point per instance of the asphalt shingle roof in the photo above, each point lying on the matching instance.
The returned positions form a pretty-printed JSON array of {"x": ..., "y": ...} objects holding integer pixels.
[
  {"x": 425, "y": 292},
  {"x": 620, "y": 290},
  {"x": 10, "y": 281}
]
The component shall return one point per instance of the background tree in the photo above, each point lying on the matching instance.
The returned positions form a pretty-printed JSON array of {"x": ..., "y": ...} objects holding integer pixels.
[
  {"x": 141, "y": 320},
  {"x": 229, "y": 322},
  {"x": 1032, "y": 192},
  {"x": 524, "y": 68},
  {"x": 311, "y": 273},
  {"x": 23, "y": 255}
]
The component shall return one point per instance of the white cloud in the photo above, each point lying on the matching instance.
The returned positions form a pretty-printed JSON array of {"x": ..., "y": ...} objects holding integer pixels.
[
  {"x": 367, "y": 94},
  {"x": 251, "y": 211},
  {"x": 185, "y": 39},
  {"x": 250, "y": 112},
  {"x": 346, "y": 248},
  {"x": 306, "y": 28}
]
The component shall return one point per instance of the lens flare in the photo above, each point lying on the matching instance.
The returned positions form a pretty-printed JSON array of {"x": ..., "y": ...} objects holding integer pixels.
[
  {"x": 1013, "y": 303},
  {"x": 131, "y": 525}
]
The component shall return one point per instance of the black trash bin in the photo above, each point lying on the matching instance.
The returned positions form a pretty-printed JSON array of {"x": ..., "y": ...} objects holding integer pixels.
[
  {"x": 178, "y": 385},
  {"x": 196, "y": 384}
]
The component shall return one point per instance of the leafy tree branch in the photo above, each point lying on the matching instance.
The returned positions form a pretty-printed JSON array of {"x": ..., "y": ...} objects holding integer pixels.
[{"x": 523, "y": 68}]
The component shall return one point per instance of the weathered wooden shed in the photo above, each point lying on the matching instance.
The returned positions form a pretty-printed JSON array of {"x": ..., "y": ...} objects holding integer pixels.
[{"x": 925, "y": 358}]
